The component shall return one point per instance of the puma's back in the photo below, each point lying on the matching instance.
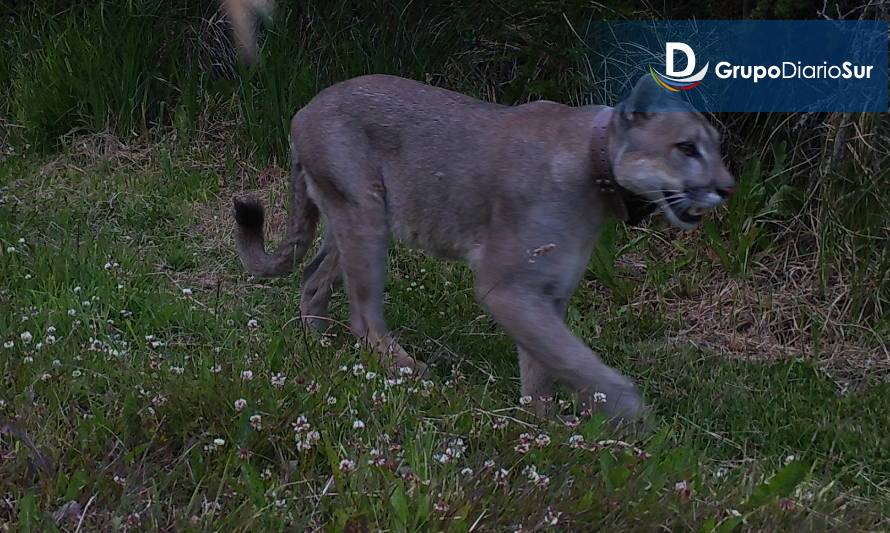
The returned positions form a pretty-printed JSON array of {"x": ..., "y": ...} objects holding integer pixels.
[{"x": 443, "y": 161}]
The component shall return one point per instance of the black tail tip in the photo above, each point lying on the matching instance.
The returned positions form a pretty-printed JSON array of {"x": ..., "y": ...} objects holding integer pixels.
[{"x": 249, "y": 214}]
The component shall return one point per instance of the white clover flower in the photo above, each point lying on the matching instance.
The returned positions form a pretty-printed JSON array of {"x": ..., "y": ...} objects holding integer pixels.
[
  {"x": 240, "y": 404},
  {"x": 576, "y": 441},
  {"x": 252, "y": 323},
  {"x": 552, "y": 517},
  {"x": 247, "y": 375},
  {"x": 21, "y": 240},
  {"x": 50, "y": 339},
  {"x": 525, "y": 400},
  {"x": 456, "y": 448},
  {"x": 358, "y": 369},
  {"x": 599, "y": 397},
  {"x": 51, "y": 330},
  {"x": 8, "y": 344},
  {"x": 76, "y": 374},
  {"x": 542, "y": 440},
  {"x": 56, "y": 363},
  {"x": 26, "y": 337},
  {"x": 466, "y": 471},
  {"x": 489, "y": 463},
  {"x": 311, "y": 439},
  {"x": 301, "y": 425},
  {"x": 28, "y": 360},
  {"x": 219, "y": 442},
  {"x": 331, "y": 400},
  {"x": 347, "y": 465},
  {"x": 531, "y": 472},
  {"x": 358, "y": 424},
  {"x": 10, "y": 249},
  {"x": 789, "y": 459},
  {"x": 256, "y": 422},
  {"x": 187, "y": 292},
  {"x": 377, "y": 458},
  {"x": 27, "y": 276},
  {"x": 406, "y": 371},
  {"x": 370, "y": 376},
  {"x": 278, "y": 380},
  {"x": 77, "y": 289},
  {"x": 177, "y": 369},
  {"x": 215, "y": 369}
]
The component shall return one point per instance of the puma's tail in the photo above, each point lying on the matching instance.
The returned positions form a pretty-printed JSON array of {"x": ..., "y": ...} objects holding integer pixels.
[
  {"x": 241, "y": 16},
  {"x": 302, "y": 219}
]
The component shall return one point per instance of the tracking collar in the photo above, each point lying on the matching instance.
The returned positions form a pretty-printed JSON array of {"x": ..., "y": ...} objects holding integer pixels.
[{"x": 623, "y": 204}]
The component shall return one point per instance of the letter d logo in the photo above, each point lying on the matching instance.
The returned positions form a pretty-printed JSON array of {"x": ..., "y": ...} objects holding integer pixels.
[
  {"x": 670, "y": 52},
  {"x": 674, "y": 80}
]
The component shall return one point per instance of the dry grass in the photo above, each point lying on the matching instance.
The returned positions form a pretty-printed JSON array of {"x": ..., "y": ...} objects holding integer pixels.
[{"x": 779, "y": 311}]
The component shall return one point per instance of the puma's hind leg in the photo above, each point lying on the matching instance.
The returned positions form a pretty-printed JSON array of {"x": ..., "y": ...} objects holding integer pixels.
[
  {"x": 362, "y": 252},
  {"x": 350, "y": 196},
  {"x": 320, "y": 277}
]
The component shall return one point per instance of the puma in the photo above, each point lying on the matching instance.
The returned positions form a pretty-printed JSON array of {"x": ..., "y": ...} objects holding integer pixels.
[{"x": 517, "y": 192}]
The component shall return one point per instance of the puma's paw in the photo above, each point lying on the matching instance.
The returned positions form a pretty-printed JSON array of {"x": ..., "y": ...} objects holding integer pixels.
[
  {"x": 409, "y": 366},
  {"x": 316, "y": 322},
  {"x": 400, "y": 363},
  {"x": 618, "y": 398}
]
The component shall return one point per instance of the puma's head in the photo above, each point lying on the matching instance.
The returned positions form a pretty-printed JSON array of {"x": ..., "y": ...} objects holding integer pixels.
[{"x": 668, "y": 153}]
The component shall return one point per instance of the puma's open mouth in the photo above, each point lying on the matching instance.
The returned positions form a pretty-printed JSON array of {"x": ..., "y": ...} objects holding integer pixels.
[{"x": 680, "y": 207}]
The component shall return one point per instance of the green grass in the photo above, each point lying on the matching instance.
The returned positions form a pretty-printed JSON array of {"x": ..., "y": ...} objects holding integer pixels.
[{"x": 149, "y": 314}]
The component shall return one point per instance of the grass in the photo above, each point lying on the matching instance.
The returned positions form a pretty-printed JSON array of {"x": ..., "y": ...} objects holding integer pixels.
[{"x": 132, "y": 333}]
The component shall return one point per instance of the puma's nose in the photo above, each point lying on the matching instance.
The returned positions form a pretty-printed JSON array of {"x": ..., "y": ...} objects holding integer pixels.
[{"x": 725, "y": 192}]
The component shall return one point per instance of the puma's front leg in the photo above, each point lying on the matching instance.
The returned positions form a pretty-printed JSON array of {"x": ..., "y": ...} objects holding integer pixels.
[
  {"x": 532, "y": 320},
  {"x": 537, "y": 384}
]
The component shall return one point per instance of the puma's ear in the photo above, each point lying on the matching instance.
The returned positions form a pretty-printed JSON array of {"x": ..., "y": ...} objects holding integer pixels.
[{"x": 648, "y": 97}]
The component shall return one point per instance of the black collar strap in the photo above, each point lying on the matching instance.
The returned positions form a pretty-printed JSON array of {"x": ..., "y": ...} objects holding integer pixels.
[{"x": 621, "y": 203}]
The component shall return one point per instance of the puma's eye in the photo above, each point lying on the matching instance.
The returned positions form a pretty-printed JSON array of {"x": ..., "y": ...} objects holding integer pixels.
[{"x": 688, "y": 149}]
